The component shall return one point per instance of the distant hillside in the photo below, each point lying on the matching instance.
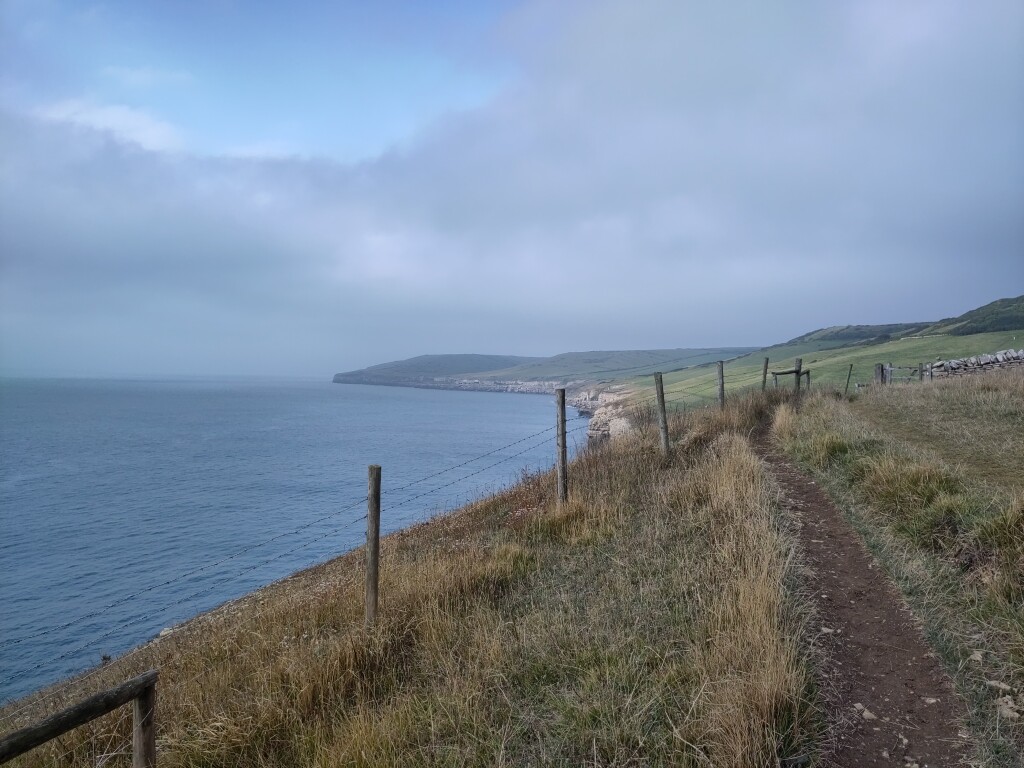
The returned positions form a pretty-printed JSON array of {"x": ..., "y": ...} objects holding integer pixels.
[
  {"x": 841, "y": 344},
  {"x": 844, "y": 335},
  {"x": 1001, "y": 315},
  {"x": 486, "y": 371},
  {"x": 429, "y": 367},
  {"x": 614, "y": 364},
  {"x": 830, "y": 365}
]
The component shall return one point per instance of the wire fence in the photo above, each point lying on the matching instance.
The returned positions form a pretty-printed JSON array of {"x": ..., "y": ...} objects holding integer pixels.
[
  {"x": 698, "y": 392},
  {"x": 421, "y": 488}
]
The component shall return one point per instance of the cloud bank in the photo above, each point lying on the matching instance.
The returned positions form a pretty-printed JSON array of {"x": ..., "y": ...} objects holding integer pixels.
[{"x": 658, "y": 174}]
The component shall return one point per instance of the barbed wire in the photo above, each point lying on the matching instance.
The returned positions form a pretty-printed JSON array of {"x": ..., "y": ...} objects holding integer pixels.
[
  {"x": 475, "y": 458},
  {"x": 163, "y": 609},
  {"x": 205, "y": 567},
  {"x": 138, "y": 593},
  {"x": 465, "y": 477},
  {"x": 246, "y": 550}
]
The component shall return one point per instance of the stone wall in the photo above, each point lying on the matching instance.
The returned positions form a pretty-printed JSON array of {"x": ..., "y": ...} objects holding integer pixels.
[{"x": 1007, "y": 358}]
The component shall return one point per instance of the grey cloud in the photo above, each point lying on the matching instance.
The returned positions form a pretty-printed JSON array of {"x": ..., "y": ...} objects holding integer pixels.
[{"x": 657, "y": 164}]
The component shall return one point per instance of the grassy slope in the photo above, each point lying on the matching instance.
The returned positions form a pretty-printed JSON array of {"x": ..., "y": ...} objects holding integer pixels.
[
  {"x": 931, "y": 476},
  {"x": 828, "y": 364},
  {"x": 650, "y": 621},
  {"x": 567, "y": 366},
  {"x": 829, "y": 351},
  {"x": 846, "y": 334},
  {"x": 977, "y": 425},
  {"x": 614, "y": 365},
  {"x": 999, "y": 315}
]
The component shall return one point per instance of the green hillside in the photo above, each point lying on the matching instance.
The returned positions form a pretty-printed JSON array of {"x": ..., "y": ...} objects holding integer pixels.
[
  {"x": 593, "y": 366},
  {"x": 690, "y": 372},
  {"x": 1001, "y": 315},
  {"x": 601, "y": 366},
  {"x": 843, "y": 335},
  {"x": 434, "y": 366},
  {"x": 828, "y": 366}
]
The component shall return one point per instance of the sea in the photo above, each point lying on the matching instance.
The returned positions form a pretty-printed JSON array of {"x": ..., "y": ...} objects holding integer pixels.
[{"x": 129, "y": 506}]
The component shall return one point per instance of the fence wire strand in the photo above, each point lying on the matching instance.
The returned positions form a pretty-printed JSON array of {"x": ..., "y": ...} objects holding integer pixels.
[{"x": 77, "y": 680}]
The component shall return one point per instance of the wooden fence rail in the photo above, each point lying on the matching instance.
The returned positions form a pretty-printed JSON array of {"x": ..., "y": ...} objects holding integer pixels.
[
  {"x": 798, "y": 372},
  {"x": 141, "y": 690}
]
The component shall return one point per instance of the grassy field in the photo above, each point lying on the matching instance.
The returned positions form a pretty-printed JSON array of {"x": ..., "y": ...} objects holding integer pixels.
[
  {"x": 651, "y": 621},
  {"x": 611, "y": 366},
  {"x": 828, "y": 364},
  {"x": 931, "y": 475},
  {"x": 570, "y": 366}
]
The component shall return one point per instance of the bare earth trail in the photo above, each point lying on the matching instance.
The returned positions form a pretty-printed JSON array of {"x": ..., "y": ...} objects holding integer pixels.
[{"x": 895, "y": 703}]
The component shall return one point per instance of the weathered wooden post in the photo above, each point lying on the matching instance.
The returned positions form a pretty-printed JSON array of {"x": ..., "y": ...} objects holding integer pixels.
[
  {"x": 798, "y": 372},
  {"x": 721, "y": 384},
  {"x": 764, "y": 375},
  {"x": 659, "y": 387},
  {"x": 563, "y": 460},
  {"x": 372, "y": 544},
  {"x": 144, "y": 728},
  {"x": 849, "y": 373},
  {"x": 807, "y": 373},
  {"x": 775, "y": 380},
  {"x": 141, "y": 690},
  {"x": 931, "y": 373},
  {"x": 879, "y": 374},
  {"x": 920, "y": 371}
]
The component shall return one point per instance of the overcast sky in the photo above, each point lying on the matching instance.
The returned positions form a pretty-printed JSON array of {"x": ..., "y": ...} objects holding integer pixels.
[{"x": 234, "y": 187}]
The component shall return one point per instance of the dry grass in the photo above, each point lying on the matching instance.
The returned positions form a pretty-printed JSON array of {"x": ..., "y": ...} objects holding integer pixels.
[
  {"x": 972, "y": 421},
  {"x": 951, "y": 534},
  {"x": 651, "y": 621}
]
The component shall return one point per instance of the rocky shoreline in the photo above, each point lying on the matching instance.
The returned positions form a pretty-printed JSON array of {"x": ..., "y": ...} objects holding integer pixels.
[{"x": 606, "y": 408}]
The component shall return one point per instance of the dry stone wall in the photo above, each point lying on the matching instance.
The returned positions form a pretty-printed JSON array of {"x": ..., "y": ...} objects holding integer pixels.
[{"x": 1007, "y": 358}]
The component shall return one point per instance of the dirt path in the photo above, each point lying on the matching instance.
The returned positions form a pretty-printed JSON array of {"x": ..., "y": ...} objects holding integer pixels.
[{"x": 895, "y": 705}]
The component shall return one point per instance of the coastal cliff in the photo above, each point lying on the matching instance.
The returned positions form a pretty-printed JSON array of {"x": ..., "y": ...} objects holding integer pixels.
[{"x": 606, "y": 408}]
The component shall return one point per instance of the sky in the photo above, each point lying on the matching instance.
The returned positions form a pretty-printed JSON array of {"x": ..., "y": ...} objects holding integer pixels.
[{"x": 296, "y": 189}]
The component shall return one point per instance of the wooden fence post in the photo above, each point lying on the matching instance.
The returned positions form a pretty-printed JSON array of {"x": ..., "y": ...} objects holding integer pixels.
[
  {"x": 140, "y": 689},
  {"x": 659, "y": 387},
  {"x": 807, "y": 373},
  {"x": 931, "y": 373},
  {"x": 798, "y": 367},
  {"x": 849, "y": 373},
  {"x": 144, "y": 729},
  {"x": 920, "y": 371},
  {"x": 879, "y": 374},
  {"x": 764, "y": 375},
  {"x": 372, "y": 544},
  {"x": 563, "y": 469},
  {"x": 775, "y": 380},
  {"x": 721, "y": 384}
]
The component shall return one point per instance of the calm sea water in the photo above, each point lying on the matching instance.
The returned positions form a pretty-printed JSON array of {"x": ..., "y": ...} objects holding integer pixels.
[{"x": 109, "y": 488}]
